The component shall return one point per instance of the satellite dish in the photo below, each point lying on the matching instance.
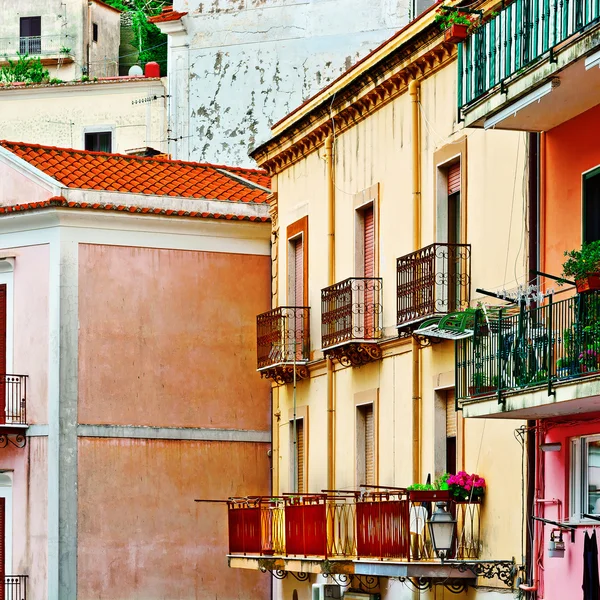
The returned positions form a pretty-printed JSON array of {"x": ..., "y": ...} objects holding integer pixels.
[{"x": 135, "y": 71}]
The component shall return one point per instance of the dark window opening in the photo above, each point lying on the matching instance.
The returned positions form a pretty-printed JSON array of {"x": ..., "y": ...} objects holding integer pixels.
[
  {"x": 95, "y": 32},
  {"x": 100, "y": 141},
  {"x": 451, "y": 429},
  {"x": 591, "y": 206},
  {"x": 30, "y": 40}
]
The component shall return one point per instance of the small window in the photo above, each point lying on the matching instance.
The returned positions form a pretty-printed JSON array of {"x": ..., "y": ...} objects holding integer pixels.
[
  {"x": 299, "y": 463},
  {"x": 451, "y": 429},
  {"x": 591, "y": 206},
  {"x": 99, "y": 141},
  {"x": 365, "y": 445},
  {"x": 95, "y": 32},
  {"x": 585, "y": 476}
]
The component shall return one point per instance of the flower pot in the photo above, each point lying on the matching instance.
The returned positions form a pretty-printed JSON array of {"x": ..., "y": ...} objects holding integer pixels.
[
  {"x": 472, "y": 501},
  {"x": 455, "y": 33},
  {"x": 429, "y": 495},
  {"x": 589, "y": 283},
  {"x": 484, "y": 390}
]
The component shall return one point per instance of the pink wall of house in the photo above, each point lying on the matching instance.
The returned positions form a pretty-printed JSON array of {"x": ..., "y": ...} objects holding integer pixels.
[
  {"x": 31, "y": 326},
  {"x": 142, "y": 536},
  {"x": 18, "y": 189},
  {"x": 168, "y": 337},
  {"x": 562, "y": 577},
  {"x": 571, "y": 150}
]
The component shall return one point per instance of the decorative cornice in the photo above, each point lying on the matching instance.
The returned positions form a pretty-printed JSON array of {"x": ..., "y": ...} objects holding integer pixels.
[{"x": 360, "y": 98}]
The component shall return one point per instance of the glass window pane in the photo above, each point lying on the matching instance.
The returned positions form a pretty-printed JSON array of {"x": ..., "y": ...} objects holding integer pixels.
[{"x": 593, "y": 477}]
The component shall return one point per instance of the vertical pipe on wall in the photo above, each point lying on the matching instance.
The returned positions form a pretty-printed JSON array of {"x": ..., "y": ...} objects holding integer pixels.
[
  {"x": 329, "y": 176},
  {"x": 413, "y": 90}
]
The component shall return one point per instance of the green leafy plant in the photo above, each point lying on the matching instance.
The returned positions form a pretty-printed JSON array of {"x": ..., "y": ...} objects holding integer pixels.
[
  {"x": 447, "y": 18},
  {"x": 24, "y": 70},
  {"x": 55, "y": 81},
  {"x": 85, "y": 79},
  {"x": 65, "y": 50},
  {"x": 581, "y": 263},
  {"x": 479, "y": 379},
  {"x": 421, "y": 487}
]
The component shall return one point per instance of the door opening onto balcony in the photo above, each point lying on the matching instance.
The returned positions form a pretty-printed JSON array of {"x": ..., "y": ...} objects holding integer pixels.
[
  {"x": 30, "y": 39},
  {"x": 591, "y": 206},
  {"x": 451, "y": 431},
  {"x": 365, "y": 445},
  {"x": 297, "y": 448}
]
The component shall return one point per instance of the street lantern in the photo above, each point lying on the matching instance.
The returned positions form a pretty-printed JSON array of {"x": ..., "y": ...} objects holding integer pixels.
[{"x": 442, "y": 528}]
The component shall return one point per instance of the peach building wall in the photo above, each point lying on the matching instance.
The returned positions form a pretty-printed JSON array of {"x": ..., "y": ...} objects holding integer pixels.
[{"x": 168, "y": 338}]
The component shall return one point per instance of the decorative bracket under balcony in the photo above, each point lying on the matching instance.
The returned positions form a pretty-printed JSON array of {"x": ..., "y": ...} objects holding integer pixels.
[
  {"x": 354, "y": 354},
  {"x": 504, "y": 570},
  {"x": 284, "y": 373},
  {"x": 18, "y": 439}
]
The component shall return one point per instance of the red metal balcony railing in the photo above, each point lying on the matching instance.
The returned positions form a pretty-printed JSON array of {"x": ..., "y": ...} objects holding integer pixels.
[
  {"x": 283, "y": 336},
  {"x": 13, "y": 388},
  {"x": 15, "y": 587},
  {"x": 379, "y": 525}
]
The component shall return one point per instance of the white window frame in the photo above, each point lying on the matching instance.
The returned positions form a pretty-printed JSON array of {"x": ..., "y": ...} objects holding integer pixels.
[
  {"x": 578, "y": 483},
  {"x": 7, "y": 277},
  {"x": 112, "y": 129},
  {"x": 6, "y": 492}
]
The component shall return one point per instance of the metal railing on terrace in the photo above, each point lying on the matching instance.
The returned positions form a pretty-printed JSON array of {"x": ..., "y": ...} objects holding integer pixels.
[
  {"x": 513, "y": 351},
  {"x": 346, "y": 525},
  {"x": 39, "y": 45},
  {"x": 519, "y": 35},
  {"x": 433, "y": 280},
  {"x": 15, "y": 587},
  {"x": 283, "y": 336},
  {"x": 13, "y": 388},
  {"x": 351, "y": 311}
]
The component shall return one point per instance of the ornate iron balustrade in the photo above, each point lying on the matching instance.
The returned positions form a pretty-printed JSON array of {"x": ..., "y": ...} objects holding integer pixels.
[
  {"x": 530, "y": 347},
  {"x": 519, "y": 35},
  {"x": 351, "y": 311},
  {"x": 433, "y": 280},
  {"x": 13, "y": 388},
  {"x": 338, "y": 525},
  {"x": 37, "y": 45},
  {"x": 15, "y": 587},
  {"x": 283, "y": 339}
]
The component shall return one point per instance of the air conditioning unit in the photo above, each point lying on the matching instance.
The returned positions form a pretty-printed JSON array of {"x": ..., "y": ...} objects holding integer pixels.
[
  {"x": 326, "y": 591},
  {"x": 359, "y": 596}
]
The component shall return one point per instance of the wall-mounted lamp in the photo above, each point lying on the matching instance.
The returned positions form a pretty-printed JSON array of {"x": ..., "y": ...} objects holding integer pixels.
[{"x": 551, "y": 447}]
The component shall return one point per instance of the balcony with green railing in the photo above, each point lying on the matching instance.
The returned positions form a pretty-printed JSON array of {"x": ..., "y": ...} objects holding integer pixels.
[
  {"x": 531, "y": 66},
  {"x": 523, "y": 362}
]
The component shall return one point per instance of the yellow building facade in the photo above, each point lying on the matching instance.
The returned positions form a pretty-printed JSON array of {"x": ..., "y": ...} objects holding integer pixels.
[{"x": 387, "y": 214}]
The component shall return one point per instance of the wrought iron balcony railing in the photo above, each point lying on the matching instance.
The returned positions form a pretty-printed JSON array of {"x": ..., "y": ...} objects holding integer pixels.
[
  {"x": 283, "y": 336},
  {"x": 380, "y": 525},
  {"x": 15, "y": 587},
  {"x": 351, "y": 311},
  {"x": 519, "y": 35},
  {"x": 433, "y": 280},
  {"x": 528, "y": 347},
  {"x": 37, "y": 45},
  {"x": 13, "y": 388}
]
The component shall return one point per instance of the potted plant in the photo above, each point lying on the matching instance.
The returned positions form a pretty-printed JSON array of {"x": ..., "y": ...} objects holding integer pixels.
[
  {"x": 454, "y": 25},
  {"x": 466, "y": 488},
  {"x": 480, "y": 384},
  {"x": 566, "y": 366},
  {"x": 588, "y": 359},
  {"x": 584, "y": 267},
  {"x": 430, "y": 492}
]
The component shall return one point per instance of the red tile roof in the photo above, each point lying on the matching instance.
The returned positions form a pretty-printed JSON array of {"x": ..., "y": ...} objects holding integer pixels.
[
  {"x": 167, "y": 14},
  {"x": 61, "y": 202},
  {"x": 82, "y": 169}
]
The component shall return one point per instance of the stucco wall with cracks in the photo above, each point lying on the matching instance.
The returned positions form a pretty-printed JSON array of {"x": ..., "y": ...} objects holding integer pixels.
[{"x": 244, "y": 64}]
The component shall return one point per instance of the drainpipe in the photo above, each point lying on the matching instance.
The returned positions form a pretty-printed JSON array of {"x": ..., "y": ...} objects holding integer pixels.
[
  {"x": 331, "y": 274},
  {"x": 413, "y": 90}
]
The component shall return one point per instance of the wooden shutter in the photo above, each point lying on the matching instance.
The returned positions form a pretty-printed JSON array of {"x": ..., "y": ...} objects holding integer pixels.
[
  {"x": 450, "y": 415},
  {"x": 298, "y": 272},
  {"x": 2, "y": 545},
  {"x": 454, "y": 179},
  {"x": 369, "y": 445},
  {"x": 300, "y": 454},
  {"x": 369, "y": 242}
]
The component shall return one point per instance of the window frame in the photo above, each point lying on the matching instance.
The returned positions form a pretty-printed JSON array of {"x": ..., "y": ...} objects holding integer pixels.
[
  {"x": 578, "y": 476},
  {"x": 7, "y": 278},
  {"x": 94, "y": 129},
  {"x": 294, "y": 231},
  {"x": 95, "y": 32},
  {"x": 593, "y": 172},
  {"x": 301, "y": 415},
  {"x": 367, "y": 198},
  {"x": 360, "y": 400}
]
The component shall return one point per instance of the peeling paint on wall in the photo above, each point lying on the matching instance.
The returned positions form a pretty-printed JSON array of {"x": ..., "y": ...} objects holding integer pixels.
[{"x": 250, "y": 62}]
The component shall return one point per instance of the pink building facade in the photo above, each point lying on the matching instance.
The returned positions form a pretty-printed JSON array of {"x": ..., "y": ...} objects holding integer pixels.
[{"x": 130, "y": 291}]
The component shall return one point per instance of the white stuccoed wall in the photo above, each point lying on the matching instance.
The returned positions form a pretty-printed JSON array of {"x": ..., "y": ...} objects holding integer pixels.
[{"x": 238, "y": 66}]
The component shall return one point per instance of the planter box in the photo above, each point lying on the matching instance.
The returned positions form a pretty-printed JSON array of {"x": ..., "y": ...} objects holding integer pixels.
[
  {"x": 484, "y": 390},
  {"x": 474, "y": 501},
  {"x": 588, "y": 284},
  {"x": 429, "y": 495},
  {"x": 456, "y": 33}
]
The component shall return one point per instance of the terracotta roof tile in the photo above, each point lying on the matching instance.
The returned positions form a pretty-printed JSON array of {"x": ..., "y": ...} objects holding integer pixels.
[
  {"x": 61, "y": 202},
  {"x": 140, "y": 175},
  {"x": 167, "y": 14}
]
